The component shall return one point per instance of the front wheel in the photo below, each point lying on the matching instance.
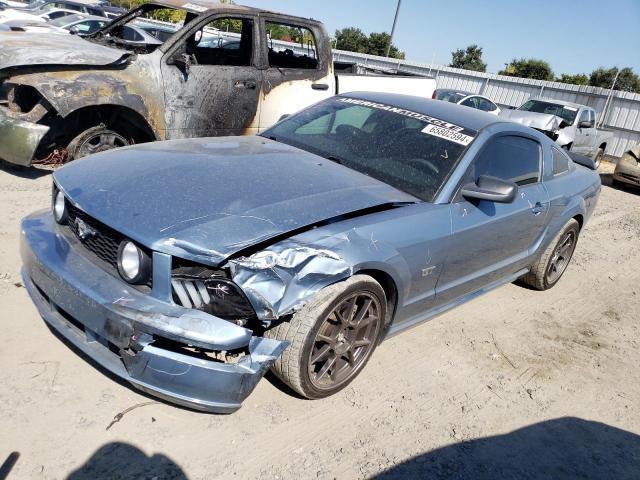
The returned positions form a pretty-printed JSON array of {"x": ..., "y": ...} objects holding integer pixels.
[
  {"x": 332, "y": 337},
  {"x": 546, "y": 272},
  {"x": 94, "y": 140},
  {"x": 597, "y": 160}
]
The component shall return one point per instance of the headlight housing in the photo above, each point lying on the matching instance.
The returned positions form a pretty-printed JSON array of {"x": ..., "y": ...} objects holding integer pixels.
[
  {"x": 212, "y": 292},
  {"x": 134, "y": 265},
  {"x": 59, "y": 206}
]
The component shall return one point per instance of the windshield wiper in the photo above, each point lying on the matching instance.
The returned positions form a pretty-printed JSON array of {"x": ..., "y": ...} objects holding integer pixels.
[{"x": 335, "y": 159}]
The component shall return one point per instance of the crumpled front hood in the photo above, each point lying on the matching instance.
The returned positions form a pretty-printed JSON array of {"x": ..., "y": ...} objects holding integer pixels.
[
  {"x": 206, "y": 199},
  {"x": 19, "y": 49},
  {"x": 539, "y": 121}
]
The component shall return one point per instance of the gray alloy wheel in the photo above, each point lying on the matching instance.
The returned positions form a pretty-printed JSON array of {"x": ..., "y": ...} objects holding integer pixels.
[
  {"x": 546, "y": 272},
  {"x": 94, "y": 140},
  {"x": 597, "y": 160},
  {"x": 332, "y": 337}
]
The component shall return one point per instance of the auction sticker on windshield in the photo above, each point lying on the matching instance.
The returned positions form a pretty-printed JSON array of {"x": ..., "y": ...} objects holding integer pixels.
[
  {"x": 435, "y": 126},
  {"x": 447, "y": 134}
]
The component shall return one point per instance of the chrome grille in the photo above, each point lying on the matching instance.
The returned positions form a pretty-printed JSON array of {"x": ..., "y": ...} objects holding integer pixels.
[
  {"x": 103, "y": 243},
  {"x": 190, "y": 293}
]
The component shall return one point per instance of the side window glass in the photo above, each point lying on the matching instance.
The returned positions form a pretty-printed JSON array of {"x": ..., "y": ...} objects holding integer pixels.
[
  {"x": 592, "y": 117},
  {"x": 131, "y": 35},
  {"x": 224, "y": 41},
  {"x": 470, "y": 102},
  {"x": 486, "y": 106},
  {"x": 291, "y": 46},
  {"x": 560, "y": 162},
  {"x": 584, "y": 116},
  {"x": 512, "y": 158}
]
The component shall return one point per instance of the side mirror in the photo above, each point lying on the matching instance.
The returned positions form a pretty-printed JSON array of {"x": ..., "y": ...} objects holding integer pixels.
[
  {"x": 181, "y": 60},
  {"x": 585, "y": 124},
  {"x": 490, "y": 188}
]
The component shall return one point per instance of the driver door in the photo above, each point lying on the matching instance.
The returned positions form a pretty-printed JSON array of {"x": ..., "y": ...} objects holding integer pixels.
[
  {"x": 491, "y": 241},
  {"x": 211, "y": 90}
]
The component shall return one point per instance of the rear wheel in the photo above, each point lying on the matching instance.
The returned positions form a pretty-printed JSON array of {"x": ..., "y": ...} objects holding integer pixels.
[
  {"x": 546, "y": 272},
  {"x": 332, "y": 337},
  {"x": 94, "y": 140}
]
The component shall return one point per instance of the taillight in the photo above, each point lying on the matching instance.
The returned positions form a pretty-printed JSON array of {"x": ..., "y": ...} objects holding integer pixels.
[{"x": 433, "y": 97}]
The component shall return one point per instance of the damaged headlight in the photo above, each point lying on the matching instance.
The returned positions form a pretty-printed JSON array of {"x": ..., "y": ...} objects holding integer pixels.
[{"x": 210, "y": 291}]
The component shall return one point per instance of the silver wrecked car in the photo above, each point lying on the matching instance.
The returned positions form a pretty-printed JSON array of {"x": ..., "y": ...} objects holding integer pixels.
[{"x": 190, "y": 267}]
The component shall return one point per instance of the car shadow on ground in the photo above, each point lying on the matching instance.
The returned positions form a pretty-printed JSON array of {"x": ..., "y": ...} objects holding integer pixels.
[
  {"x": 24, "y": 172},
  {"x": 122, "y": 460},
  {"x": 563, "y": 448}
]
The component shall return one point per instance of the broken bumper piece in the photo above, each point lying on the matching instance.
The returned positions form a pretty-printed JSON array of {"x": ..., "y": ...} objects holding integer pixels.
[
  {"x": 19, "y": 140},
  {"x": 135, "y": 336}
]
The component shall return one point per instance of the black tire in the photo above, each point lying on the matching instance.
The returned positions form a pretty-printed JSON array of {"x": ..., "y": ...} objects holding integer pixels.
[
  {"x": 308, "y": 334},
  {"x": 94, "y": 140},
  {"x": 597, "y": 160},
  {"x": 552, "y": 264}
]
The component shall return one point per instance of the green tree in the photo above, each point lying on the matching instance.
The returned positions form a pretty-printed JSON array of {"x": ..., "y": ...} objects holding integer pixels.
[
  {"x": 528, "y": 68},
  {"x": 578, "y": 79},
  {"x": 352, "y": 39},
  {"x": 378, "y": 43},
  {"x": 468, "y": 59},
  {"x": 627, "y": 80}
]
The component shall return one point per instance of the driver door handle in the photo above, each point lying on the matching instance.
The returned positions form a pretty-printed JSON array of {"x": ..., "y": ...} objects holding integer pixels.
[
  {"x": 248, "y": 84},
  {"x": 537, "y": 209}
]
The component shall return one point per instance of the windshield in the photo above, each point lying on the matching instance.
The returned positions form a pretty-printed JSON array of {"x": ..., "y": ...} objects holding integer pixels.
[
  {"x": 568, "y": 114},
  {"x": 450, "y": 96},
  {"x": 65, "y": 20},
  {"x": 408, "y": 150}
]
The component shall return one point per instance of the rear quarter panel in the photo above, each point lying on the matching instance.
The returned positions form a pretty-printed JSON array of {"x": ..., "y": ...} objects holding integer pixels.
[{"x": 571, "y": 194}]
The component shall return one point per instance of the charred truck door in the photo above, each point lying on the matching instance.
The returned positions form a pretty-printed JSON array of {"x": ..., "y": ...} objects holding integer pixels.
[
  {"x": 211, "y": 82},
  {"x": 299, "y": 67}
]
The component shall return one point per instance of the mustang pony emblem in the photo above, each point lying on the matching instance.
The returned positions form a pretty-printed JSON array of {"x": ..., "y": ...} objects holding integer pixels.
[{"x": 84, "y": 230}]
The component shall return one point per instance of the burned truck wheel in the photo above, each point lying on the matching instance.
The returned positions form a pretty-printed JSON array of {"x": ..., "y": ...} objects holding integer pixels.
[
  {"x": 332, "y": 337},
  {"x": 94, "y": 140}
]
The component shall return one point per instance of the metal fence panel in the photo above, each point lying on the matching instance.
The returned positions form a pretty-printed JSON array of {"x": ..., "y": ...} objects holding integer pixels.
[{"x": 622, "y": 116}]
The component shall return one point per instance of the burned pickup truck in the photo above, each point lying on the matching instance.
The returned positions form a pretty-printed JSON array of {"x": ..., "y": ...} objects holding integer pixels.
[
  {"x": 570, "y": 125},
  {"x": 227, "y": 70}
]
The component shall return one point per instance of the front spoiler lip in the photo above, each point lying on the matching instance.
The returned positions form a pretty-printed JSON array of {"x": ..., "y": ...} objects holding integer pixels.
[
  {"x": 20, "y": 139},
  {"x": 101, "y": 331}
]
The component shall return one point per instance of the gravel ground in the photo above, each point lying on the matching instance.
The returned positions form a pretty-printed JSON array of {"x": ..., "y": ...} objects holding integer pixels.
[{"x": 516, "y": 384}]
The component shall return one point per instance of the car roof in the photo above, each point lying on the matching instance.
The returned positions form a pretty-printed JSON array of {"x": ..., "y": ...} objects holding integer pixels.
[
  {"x": 453, "y": 90},
  {"x": 447, "y": 111},
  {"x": 559, "y": 102},
  {"x": 201, "y": 6}
]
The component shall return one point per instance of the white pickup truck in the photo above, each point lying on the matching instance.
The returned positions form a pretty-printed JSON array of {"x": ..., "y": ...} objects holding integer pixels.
[
  {"x": 570, "y": 125},
  {"x": 228, "y": 70}
]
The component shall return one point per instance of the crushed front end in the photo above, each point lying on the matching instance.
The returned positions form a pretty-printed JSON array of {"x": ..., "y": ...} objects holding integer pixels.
[{"x": 164, "y": 333}]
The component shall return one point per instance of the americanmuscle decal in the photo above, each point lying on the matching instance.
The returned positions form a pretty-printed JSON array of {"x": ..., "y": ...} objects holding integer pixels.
[
  {"x": 447, "y": 134},
  {"x": 436, "y": 127}
]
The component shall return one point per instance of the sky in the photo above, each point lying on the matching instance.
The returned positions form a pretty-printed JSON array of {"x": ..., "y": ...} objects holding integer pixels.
[{"x": 574, "y": 36}]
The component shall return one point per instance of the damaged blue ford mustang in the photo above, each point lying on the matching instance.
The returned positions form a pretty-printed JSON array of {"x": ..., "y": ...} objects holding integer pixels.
[{"x": 191, "y": 267}]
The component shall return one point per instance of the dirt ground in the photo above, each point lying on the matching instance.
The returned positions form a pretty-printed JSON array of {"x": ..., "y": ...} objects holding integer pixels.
[{"x": 516, "y": 384}]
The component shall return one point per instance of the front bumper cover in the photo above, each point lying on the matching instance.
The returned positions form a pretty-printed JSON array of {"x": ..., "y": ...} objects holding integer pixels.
[
  {"x": 106, "y": 319},
  {"x": 19, "y": 140},
  {"x": 627, "y": 170}
]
